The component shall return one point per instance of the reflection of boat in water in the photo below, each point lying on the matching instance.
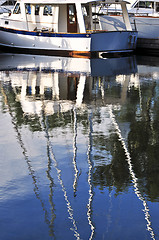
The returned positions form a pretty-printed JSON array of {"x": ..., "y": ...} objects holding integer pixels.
[
  {"x": 33, "y": 84},
  {"x": 148, "y": 66},
  {"x": 93, "y": 67},
  {"x": 61, "y": 28},
  {"x": 59, "y": 78}
]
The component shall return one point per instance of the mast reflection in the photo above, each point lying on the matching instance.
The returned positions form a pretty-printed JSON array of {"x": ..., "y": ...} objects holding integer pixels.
[
  {"x": 75, "y": 153},
  {"x": 90, "y": 164},
  {"x": 48, "y": 87},
  {"x": 30, "y": 168},
  {"x": 133, "y": 176},
  {"x": 68, "y": 204}
]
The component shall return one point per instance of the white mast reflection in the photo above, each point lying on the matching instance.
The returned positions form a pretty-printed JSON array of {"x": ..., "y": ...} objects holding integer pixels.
[
  {"x": 80, "y": 90},
  {"x": 79, "y": 99},
  {"x": 68, "y": 204},
  {"x": 89, "y": 205},
  {"x": 30, "y": 168},
  {"x": 102, "y": 88},
  {"x": 75, "y": 152},
  {"x": 134, "y": 178}
]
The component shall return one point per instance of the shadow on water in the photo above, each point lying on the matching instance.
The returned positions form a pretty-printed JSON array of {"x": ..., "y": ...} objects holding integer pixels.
[{"x": 108, "y": 102}]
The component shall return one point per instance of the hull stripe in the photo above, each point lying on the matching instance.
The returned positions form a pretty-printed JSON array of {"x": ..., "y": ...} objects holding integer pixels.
[{"x": 46, "y": 34}]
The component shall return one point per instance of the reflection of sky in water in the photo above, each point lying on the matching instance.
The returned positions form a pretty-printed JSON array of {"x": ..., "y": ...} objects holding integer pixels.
[{"x": 84, "y": 170}]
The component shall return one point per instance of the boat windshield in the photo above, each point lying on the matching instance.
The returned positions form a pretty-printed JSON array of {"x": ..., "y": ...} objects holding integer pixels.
[
  {"x": 144, "y": 4},
  {"x": 17, "y": 9},
  {"x": 28, "y": 9},
  {"x": 37, "y": 9},
  {"x": 8, "y": 3},
  {"x": 47, "y": 10}
]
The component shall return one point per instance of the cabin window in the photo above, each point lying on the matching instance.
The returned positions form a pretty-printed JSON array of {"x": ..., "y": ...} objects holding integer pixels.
[
  {"x": 37, "y": 9},
  {"x": 157, "y": 7},
  {"x": 144, "y": 4},
  {"x": 72, "y": 14},
  {"x": 47, "y": 10},
  {"x": 28, "y": 9},
  {"x": 87, "y": 18},
  {"x": 85, "y": 11},
  {"x": 8, "y": 3},
  {"x": 17, "y": 9}
]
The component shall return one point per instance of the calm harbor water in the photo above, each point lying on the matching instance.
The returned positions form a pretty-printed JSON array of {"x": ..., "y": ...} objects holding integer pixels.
[{"x": 79, "y": 143}]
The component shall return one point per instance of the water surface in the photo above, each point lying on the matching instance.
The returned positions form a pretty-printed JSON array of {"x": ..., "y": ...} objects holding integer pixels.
[{"x": 79, "y": 143}]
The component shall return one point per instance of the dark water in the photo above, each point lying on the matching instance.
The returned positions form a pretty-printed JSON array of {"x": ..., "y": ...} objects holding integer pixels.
[{"x": 79, "y": 144}]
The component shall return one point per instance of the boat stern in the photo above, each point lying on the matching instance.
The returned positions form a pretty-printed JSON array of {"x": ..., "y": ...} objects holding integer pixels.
[{"x": 115, "y": 41}]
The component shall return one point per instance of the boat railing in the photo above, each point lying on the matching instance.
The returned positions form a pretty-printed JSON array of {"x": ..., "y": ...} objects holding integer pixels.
[
  {"x": 133, "y": 24},
  {"x": 96, "y": 31}
]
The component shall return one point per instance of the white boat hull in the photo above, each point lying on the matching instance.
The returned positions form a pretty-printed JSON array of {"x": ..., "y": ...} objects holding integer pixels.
[
  {"x": 146, "y": 26},
  {"x": 148, "y": 33},
  {"x": 68, "y": 44}
]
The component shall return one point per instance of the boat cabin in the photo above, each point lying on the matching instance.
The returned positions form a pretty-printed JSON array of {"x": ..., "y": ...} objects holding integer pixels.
[
  {"x": 145, "y": 7},
  {"x": 139, "y": 7},
  {"x": 56, "y": 16},
  {"x": 53, "y": 16}
]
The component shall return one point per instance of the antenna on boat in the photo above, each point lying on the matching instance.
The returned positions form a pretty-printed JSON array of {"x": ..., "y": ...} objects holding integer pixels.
[{"x": 133, "y": 176}]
